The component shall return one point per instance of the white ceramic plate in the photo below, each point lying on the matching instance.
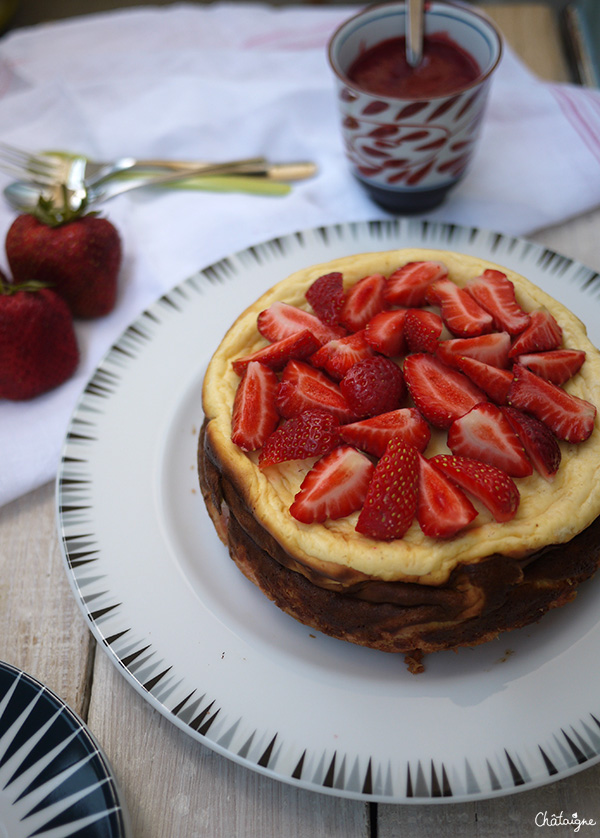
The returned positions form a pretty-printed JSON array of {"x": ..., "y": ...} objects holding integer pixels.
[
  {"x": 211, "y": 653},
  {"x": 54, "y": 778}
]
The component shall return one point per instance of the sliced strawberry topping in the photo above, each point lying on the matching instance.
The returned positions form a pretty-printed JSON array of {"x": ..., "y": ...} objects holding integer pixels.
[
  {"x": 495, "y": 387},
  {"x": 557, "y": 365},
  {"x": 495, "y": 489},
  {"x": 494, "y": 382},
  {"x": 441, "y": 394},
  {"x": 422, "y": 330},
  {"x": 385, "y": 332},
  {"x": 312, "y": 433},
  {"x": 391, "y": 501},
  {"x": 372, "y": 435},
  {"x": 374, "y": 385},
  {"x": 281, "y": 320},
  {"x": 276, "y": 355},
  {"x": 442, "y": 508},
  {"x": 254, "y": 415},
  {"x": 302, "y": 387},
  {"x": 495, "y": 293},
  {"x": 484, "y": 433},
  {"x": 543, "y": 333},
  {"x": 461, "y": 314},
  {"x": 338, "y": 355},
  {"x": 363, "y": 301},
  {"x": 326, "y": 296},
  {"x": 490, "y": 349},
  {"x": 538, "y": 441},
  {"x": 407, "y": 285},
  {"x": 568, "y": 417},
  {"x": 336, "y": 486}
]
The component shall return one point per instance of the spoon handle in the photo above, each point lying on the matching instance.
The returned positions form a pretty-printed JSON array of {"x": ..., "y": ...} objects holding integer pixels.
[{"x": 414, "y": 32}]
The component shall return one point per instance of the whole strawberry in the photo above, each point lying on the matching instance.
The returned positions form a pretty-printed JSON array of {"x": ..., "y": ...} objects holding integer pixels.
[
  {"x": 79, "y": 256},
  {"x": 374, "y": 385},
  {"x": 38, "y": 347}
]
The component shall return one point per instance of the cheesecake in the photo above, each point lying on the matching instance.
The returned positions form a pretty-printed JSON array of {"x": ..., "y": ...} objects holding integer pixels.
[{"x": 400, "y": 449}]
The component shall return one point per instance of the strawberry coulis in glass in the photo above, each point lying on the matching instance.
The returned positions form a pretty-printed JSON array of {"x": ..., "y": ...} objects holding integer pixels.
[{"x": 384, "y": 70}]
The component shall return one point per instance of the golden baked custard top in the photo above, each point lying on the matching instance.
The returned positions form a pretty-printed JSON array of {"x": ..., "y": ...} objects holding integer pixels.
[{"x": 548, "y": 513}]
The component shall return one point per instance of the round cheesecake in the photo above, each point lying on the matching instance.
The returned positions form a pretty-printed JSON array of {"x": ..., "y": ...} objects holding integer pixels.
[{"x": 415, "y": 594}]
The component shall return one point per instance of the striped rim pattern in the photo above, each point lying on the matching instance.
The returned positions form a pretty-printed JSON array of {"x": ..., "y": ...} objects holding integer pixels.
[{"x": 53, "y": 775}]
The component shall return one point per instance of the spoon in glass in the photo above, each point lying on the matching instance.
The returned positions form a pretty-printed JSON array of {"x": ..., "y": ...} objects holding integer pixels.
[{"x": 414, "y": 32}]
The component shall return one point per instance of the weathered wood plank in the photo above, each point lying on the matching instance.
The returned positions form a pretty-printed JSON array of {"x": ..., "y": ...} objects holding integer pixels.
[
  {"x": 42, "y": 630},
  {"x": 532, "y": 30},
  {"x": 516, "y": 816}
]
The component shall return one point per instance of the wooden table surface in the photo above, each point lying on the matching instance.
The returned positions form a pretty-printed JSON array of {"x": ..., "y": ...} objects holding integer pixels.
[{"x": 174, "y": 786}]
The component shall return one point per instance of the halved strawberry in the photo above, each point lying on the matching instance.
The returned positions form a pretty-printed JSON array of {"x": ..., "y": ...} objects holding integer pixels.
[
  {"x": 391, "y": 502},
  {"x": 568, "y": 417},
  {"x": 495, "y": 293},
  {"x": 495, "y": 489},
  {"x": 312, "y": 433},
  {"x": 494, "y": 382},
  {"x": 441, "y": 394},
  {"x": 538, "y": 441},
  {"x": 363, "y": 301},
  {"x": 372, "y": 435},
  {"x": 407, "y": 285},
  {"x": 373, "y": 385},
  {"x": 542, "y": 334},
  {"x": 442, "y": 508},
  {"x": 276, "y": 355},
  {"x": 422, "y": 330},
  {"x": 485, "y": 434},
  {"x": 326, "y": 296},
  {"x": 254, "y": 415},
  {"x": 385, "y": 332},
  {"x": 492, "y": 349},
  {"x": 557, "y": 365},
  {"x": 338, "y": 355},
  {"x": 336, "y": 486},
  {"x": 281, "y": 320},
  {"x": 461, "y": 314},
  {"x": 302, "y": 387}
]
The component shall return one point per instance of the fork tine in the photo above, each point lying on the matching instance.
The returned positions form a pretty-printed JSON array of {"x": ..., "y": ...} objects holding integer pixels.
[
  {"x": 39, "y": 168},
  {"x": 21, "y": 174},
  {"x": 25, "y": 159},
  {"x": 13, "y": 153}
]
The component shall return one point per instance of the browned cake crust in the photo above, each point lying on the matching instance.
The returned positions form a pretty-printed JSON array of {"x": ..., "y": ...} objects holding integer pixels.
[{"x": 477, "y": 602}]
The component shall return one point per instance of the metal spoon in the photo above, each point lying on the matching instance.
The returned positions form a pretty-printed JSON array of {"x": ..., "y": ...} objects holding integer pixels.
[
  {"x": 414, "y": 32},
  {"x": 24, "y": 195}
]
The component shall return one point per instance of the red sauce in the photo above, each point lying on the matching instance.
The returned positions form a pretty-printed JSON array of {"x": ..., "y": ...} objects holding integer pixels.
[{"x": 384, "y": 70}]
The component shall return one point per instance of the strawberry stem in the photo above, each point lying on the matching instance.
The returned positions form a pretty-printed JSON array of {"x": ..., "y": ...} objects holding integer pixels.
[
  {"x": 54, "y": 214},
  {"x": 32, "y": 285}
]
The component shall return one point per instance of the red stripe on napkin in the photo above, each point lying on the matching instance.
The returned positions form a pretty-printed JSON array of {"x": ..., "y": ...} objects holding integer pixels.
[{"x": 582, "y": 109}]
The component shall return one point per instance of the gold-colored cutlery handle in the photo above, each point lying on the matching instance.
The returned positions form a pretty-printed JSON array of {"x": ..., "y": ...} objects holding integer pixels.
[
  {"x": 291, "y": 171},
  {"x": 252, "y": 166}
]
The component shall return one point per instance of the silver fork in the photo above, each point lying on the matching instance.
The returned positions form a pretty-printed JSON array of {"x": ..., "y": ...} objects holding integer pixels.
[
  {"x": 46, "y": 169},
  {"x": 68, "y": 198},
  {"x": 49, "y": 168}
]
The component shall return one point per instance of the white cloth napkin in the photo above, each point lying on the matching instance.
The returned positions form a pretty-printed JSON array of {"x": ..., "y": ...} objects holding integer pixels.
[{"x": 237, "y": 80}]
